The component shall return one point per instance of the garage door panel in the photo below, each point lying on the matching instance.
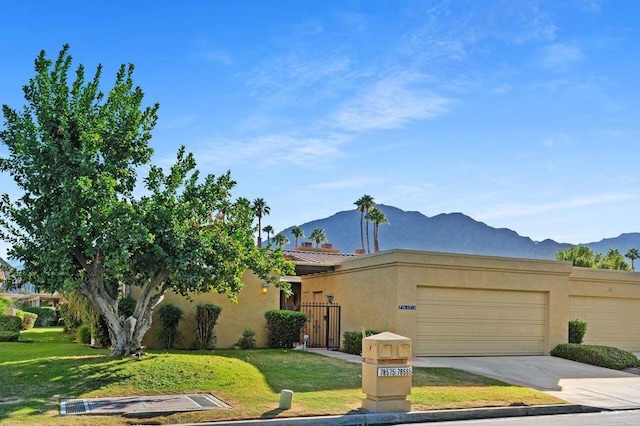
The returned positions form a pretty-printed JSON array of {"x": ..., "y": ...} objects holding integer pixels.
[
  {"x": 610, "y": 321},
  {"x": 453, "y": 321}
]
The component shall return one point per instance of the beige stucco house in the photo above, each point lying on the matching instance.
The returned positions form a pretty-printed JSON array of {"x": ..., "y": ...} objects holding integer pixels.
[{"x": 454, "y": 304}]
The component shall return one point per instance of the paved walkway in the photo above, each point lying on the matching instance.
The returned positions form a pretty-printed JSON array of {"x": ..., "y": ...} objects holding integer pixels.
[{"x": 571, "y": 381}]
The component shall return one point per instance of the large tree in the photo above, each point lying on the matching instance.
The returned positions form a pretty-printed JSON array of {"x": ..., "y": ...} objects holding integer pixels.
[
  {"x": 78, "y": 227},
  {"x": 378, "y": 217},
  {"x": 632, "y": 254},
  {"x": 363, "y": 205},
  {"x": 297, "y": 232},
  {"x": 319, "y": 236},
  {"x": 260, "y": 209},
  {"x": 583, "y": 256}
]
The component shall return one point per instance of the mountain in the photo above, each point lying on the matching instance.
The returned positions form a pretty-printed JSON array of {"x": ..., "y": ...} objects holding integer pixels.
[{"x": 447, "y": 232}]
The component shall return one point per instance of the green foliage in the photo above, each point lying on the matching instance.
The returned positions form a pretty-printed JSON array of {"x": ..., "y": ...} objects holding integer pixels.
[
  {"x": 248, "y": 339},
  {"x": 28, "y": 319},
  {"x": 602, "y": 356},
  {"x": 284, "y": 327},
  {"x": 577, "y": 330},
  {"x": 69, "y": 319},
  {"x": 126, "y": 306},
  {"x": 10, "y": 323},
  {"x": 5, "y": 303},
  {"x": 168, "y": 334},
  {"x": 9, "y": 336},
  {"x": 206, "y": 317},
  {"x": 46, "y": 315},
  {"x": 100, "y": 332},
  {"x": 318, "y": 235},
  {"x": 352, "y": 340},
  {"x": 74, "y": 153},
  {"x": 83, "y": 334},
  {"x": 583, "y": 256}
]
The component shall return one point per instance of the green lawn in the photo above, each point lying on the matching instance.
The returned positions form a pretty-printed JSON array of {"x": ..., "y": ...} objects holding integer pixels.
[{"x": 47, "y": 366}]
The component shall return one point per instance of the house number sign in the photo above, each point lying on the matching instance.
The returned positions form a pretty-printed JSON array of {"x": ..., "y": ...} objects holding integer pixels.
[
  {"x": 394, "y": 371},
  {"x": 407, "y": 307}
]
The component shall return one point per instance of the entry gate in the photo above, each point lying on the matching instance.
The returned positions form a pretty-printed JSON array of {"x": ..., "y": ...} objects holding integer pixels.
[{"x": 323, "y": 324}]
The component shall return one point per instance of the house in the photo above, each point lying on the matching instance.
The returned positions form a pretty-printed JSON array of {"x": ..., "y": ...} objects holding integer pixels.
[
  {"x": 455, "y": 304},
  {"x": 26, "y": 294}
]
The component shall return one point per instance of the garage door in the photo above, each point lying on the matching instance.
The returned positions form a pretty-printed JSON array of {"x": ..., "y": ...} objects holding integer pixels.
[
  {"x": 610, "y": 321},
  {"x": 456, "y": 321}
]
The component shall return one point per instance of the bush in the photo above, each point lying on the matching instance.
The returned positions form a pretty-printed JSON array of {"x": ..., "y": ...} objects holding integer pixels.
[
  {"x": 9, "y": 336},
  {"x": 10, "y": 323},
  {"x": 602, "y": 356},
  {"x": 352, "y": 340},
  {"x": 5, "y": 303},
  {"x": 206, "y": 318},
  {"x": 168, "y": 334},
  {"x": 100, "y": 331},
  {"x": 284, "y": 327},
  {"x": 83, "y": 334},
  {"x": 577, "y": 330},
  {"x": 126, "y": 306},
  {"x": 28, "y": 319},
  {"x": 46, "y": 315},
  {"x": 70, "y": 322},
  {"x": 248, "y": 339}
]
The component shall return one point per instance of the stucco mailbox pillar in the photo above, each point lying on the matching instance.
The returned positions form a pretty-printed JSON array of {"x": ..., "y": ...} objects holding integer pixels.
[{"x": 386, "y": 372}]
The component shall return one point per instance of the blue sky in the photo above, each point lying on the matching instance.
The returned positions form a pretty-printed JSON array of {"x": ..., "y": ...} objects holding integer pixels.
[{"x": 519, "y": 113}]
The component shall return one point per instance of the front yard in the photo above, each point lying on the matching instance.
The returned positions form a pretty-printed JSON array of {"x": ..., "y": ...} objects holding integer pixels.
[{"x": 49, "y": 367}]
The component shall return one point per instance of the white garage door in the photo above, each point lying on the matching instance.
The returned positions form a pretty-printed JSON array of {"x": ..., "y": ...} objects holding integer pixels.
[
  {"x": 610, "y": 321},
  {"x": 457, "y": 321}
]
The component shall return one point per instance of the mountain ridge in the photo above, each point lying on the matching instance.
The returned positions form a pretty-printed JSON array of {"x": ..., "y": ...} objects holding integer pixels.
[{"x": 445, "y": 232}]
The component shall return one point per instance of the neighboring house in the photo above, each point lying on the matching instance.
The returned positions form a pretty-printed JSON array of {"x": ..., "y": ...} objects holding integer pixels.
[
  {"x": 454, "y": 304},
  {"x": 26, "y": 294}
]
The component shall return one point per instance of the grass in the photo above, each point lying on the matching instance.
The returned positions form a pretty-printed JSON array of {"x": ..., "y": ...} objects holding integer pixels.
[{"x": 50, "y": 367}]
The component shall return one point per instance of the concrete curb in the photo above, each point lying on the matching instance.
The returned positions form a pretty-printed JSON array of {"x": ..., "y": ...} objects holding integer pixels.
[{"x": 413, "y": 416}]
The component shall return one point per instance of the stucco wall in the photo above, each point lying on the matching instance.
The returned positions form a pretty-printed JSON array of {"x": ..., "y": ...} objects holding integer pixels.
[
  {"x": 371, "y": 288},
  {"x": 234, "y": 318}
]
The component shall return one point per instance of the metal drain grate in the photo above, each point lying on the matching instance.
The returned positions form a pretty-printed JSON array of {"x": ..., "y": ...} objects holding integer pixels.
[
  {"x": 207, "y": 401},
  {"x": 74, "y": 406}
]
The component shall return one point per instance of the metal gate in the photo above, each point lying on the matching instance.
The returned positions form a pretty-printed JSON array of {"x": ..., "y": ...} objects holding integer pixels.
[{"x": 323, "y": 324}]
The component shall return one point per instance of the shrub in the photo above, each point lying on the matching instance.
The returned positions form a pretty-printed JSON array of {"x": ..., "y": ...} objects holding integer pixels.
[
  {"x": 9, "y": 336},
  {"x": 100, "y": 331},
  {"x": 248, "y": 339},
  {"x": 83, "y": 334},
  {"x": 206, "y": 318},
  {"x": 5, "y": 303},
  {"x": 577, "y": 330},
  {"x": 10, "y": 323},
  {"x": 352, "y": 340},
  {"x": 126, "y": 306},
  {"x": 602, "y": 356},
  {"x": 168, "y": 334},
  {"x": 284, "y": 327},
  {"x": 46, "y": 315},
  {"x": 69, "y": 320},
  {"x": 28, "y": 319}
]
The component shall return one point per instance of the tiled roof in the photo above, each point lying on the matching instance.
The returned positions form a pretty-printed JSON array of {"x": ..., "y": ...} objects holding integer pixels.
[{"x": 316, "y": 257}]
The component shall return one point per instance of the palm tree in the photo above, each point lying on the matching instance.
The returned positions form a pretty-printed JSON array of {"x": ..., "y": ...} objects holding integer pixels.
[
  {"x": 363, "y": 205},
  {"x": 269, "y": 230},
  {"x": 260, "y": 208},
  {"x": 319, "y": 236},
  {"x": 297, "y": 232},
  {"x": 280, "y": 239},
  {"x": 632, "y": 254},
  {"x": 376, "y": 216}
]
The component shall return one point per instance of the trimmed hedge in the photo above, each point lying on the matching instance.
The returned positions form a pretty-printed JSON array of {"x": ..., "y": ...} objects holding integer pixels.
[
  {"x": 46, "y": 316},
  {"x": 284, "y": 327},
  {"x": 9, "y": 336},
  {"x": 577, "y": 330},
  {"x": 28, "y": 319},
  {"x": 10, "y": 323},
  {"x": 602, "y": 356},
  {"x": 168, "y": 334},
  {"x": 352, "y": 341}
]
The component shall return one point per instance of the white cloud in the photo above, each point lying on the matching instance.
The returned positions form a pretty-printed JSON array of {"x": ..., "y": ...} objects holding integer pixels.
[
  {"x": 561, "y": 56},
  {"x": 390, "y": 103},
  {"x": 511, "y": 210}
]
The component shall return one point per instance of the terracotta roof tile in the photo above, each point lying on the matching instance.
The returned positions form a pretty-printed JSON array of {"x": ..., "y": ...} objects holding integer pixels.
[{"x": 316, "y": 257}]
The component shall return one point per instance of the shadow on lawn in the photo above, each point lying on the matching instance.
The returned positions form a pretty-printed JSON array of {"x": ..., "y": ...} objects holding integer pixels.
[{"x": 35, "y": 381}]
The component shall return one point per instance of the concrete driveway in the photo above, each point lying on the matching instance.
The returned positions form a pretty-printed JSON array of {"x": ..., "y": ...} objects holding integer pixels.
[{"x": 574, "y": 382}]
